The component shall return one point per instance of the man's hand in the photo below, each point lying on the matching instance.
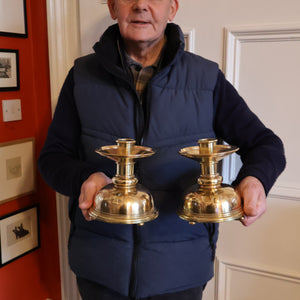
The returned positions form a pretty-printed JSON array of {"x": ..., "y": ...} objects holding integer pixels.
[
  {"x": 88, "y": 192},
  {"x": 254, "y": 199}
]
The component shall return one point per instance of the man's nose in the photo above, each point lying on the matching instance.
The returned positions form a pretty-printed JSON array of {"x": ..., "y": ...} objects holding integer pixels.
[{"x": 140, "y": 4}]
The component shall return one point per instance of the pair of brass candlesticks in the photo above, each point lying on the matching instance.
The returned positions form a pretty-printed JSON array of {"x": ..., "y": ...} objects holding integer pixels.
[{"x": 127, "y": 202}]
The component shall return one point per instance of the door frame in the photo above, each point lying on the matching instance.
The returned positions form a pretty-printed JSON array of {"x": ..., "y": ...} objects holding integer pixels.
[{"x": 63, "y": 47}]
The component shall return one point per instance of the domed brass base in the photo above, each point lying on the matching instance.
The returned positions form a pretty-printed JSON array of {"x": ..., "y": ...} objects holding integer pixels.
[
  {"x": 124, "y": 201},
  {"x": 211, "y": 201},
  {"x": 115, "y": 206},
  {"x": 213, "y": 206}
]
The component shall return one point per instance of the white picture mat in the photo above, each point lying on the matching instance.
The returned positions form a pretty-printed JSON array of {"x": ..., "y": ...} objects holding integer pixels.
[
  {"x": 12, "y": 81},
  {"x": 12, "y": 18},
  {"x": 21, "y": 185},
  {"x": 10, "y": 250}
]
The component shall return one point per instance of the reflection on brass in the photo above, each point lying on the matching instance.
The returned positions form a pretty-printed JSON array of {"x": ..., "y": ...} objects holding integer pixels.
[
  {"x": 124, "y": 201},
  {"x": 210, "y": 200}
]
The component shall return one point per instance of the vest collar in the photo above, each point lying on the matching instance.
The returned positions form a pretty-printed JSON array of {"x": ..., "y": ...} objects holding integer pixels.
[{"x": 111, "y": 54}]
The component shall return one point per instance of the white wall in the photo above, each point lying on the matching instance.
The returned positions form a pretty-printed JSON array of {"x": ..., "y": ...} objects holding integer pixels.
[{"x": 207, "y": 17}]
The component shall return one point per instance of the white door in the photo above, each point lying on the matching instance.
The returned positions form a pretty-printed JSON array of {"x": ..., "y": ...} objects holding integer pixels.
[{"x": 257, "y": 45}]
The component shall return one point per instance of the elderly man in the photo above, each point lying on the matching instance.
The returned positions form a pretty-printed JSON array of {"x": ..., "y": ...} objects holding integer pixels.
[{"x": 141, "y": 84}]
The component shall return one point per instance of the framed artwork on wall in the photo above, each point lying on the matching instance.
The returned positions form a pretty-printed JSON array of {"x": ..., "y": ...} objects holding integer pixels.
[
  {"x": 19, "y": 233},
  {"x": 17, "y": 169},
  {"x": 13, "y": 20},
  {"x": 9, "y": 70}
]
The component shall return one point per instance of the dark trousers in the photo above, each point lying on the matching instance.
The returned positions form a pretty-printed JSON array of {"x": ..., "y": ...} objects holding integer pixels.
[{"x": 92, "y": 291}]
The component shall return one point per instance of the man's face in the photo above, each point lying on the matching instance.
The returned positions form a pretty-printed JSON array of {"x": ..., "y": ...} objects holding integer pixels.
[{"x": 142, "y": 21}]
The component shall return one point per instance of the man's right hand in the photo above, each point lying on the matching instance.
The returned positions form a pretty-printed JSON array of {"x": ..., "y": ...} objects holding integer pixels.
[{"x": 89, "y": 188}]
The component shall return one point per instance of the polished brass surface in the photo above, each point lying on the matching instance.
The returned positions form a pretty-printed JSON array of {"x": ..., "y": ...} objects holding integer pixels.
[
  {"x": 210, "y": 200},
  {"x": 124, "y": 201}
]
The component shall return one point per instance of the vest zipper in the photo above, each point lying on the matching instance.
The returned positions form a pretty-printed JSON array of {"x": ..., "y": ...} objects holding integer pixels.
[
  {"x": 133, "y": 275},
  {"x": 140, "y": 130},
  {"x": 140, "y": 126},
  {"x": 212, "y": 228}
]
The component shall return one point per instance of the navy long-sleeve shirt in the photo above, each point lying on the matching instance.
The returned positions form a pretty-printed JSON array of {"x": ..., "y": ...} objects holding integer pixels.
[{"x": 262, "y": 154}]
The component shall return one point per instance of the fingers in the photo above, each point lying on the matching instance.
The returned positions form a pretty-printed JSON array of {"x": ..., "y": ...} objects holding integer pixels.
[
  {"x": 88, "y": 192},
  {"x": 254, "y": 200}
]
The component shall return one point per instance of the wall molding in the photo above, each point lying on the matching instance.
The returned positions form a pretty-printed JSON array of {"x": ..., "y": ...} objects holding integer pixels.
[
  {"x": 64, "y": 47},
  {"x": 64, "y": 41},
  {"x": 189, "y": 36},
  {"x": 223, "y": 268},
  {"x": 230, "y": 168},
  {"x": 234, "y": 37},
  {"x": 285, "y": 192}
]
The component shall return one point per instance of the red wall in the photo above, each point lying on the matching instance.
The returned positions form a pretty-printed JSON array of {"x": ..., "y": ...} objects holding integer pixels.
[{"x": 36, "y": 275}]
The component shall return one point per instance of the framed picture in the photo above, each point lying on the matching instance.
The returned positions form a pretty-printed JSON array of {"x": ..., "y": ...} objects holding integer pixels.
[
  {"x": 17, "y": 169},
  {"x": 9, "y": 70},
  {"x": 13, "y": 20},
  {"x": 19, "y": 233}
]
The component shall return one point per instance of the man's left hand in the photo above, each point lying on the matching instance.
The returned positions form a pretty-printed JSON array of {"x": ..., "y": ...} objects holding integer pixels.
[{"x": 253, "y": 196}]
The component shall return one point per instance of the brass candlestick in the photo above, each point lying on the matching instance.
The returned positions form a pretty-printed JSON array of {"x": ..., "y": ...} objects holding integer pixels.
[
  {"x": 124, "y": 201},
  {"x": 210, "y": 201}
]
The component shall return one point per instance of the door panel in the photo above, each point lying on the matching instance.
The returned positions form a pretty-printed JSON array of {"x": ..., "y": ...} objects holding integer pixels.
[{"x": 263, "y": 261}]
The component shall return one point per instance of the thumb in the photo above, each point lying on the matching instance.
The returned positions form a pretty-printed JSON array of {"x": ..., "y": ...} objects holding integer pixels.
[
  {"x": 253, "y": 196},
  {"x": 250, "y": 205},
  {"x": 86, "y": 198}
]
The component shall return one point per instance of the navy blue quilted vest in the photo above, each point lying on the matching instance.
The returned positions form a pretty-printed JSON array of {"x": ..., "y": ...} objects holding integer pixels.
[{"x": 167, "y": 254}]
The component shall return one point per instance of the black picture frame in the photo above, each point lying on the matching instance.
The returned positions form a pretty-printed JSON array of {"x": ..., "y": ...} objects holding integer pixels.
[
  {"x": 9, "y": 70},
  {"x": 14, "y": 20},
  {"x": 19, "y": 234}
]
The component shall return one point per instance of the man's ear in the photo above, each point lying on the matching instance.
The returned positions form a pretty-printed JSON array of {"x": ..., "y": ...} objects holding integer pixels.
[
  {"x": 112, "y": 7},
  {"x": 173, "y": 10}
]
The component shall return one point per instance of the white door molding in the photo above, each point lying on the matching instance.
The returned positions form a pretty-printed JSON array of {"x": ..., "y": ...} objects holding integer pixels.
[
  {"x": 64, "y": 47},
  {"x": 263, "y": 258},
  {"x": 234, "y": 38},
  {"x": 64, "y": 41},
  {"x": 229, "y": 274}
]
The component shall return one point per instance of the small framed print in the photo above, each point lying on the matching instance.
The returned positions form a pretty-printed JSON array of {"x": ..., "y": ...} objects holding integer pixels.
[
  {"x": 19, "y": 233},
  {"x": 17, "y": 169},
  {"x": 9, "y": 70},
  {"x": 13, "y": 20}
]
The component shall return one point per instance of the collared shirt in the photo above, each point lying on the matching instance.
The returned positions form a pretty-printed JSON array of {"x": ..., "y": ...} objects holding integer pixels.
[{"x": 142, "y": 75}]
